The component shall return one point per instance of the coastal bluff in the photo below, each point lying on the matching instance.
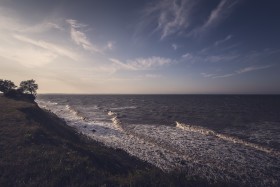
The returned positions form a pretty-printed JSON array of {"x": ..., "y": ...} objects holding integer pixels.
[{"x": 39, "y": 149}]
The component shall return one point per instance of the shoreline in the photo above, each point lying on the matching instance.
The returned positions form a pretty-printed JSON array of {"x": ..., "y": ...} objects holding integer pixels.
[
  {"x": 192, "y": 149},
  {"x": 86, "y": 139},
  {"x": 39, "y": 148}
]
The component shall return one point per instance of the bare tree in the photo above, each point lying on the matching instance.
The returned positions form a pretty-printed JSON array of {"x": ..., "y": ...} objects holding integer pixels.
[{"x": 29, "y": 87}]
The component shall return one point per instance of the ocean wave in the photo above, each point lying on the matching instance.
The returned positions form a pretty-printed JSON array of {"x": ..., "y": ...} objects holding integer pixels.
[
  {"x": 124, "y": 107},
  {"x": 206, "y": 131},
  {"x": 110, "y": 113},
  {"x": 203, "y": 154},
  {"x": 153, "y": 141},
  {"x": 200, "y": 151},
  {"x": 45, "y": 104},
  {"x": 75, "y": 112}
]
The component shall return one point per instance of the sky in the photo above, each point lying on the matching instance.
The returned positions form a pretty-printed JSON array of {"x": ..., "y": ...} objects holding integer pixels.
[{"x": 142, "y": 47}]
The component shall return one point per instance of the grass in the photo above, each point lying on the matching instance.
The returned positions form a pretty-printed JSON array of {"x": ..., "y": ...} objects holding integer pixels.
[{"x": 39, "y": 149}]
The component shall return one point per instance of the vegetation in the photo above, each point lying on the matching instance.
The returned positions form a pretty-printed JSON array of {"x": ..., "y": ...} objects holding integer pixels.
[
  {"x": 6, "y": 86},
  {"x": 27, "y": 90},
  {"x": 29, "y": 87},
  {"x": 39, "y": 149}
]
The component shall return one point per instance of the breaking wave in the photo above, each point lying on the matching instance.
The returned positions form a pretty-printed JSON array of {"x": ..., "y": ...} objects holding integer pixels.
[
  {"x": 76, "y": 113},
  {"x": 196, "y": 150},
  {"x": 141, "y": 137},
  {"x": 206, "y": 131}
]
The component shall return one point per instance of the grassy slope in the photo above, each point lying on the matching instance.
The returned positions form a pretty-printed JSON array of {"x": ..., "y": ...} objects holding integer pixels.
[{"x": 37, "y": 148}]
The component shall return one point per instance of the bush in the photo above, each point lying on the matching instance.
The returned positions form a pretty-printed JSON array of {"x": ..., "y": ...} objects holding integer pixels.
[
  {"x": 26, "y": 91},
  {"x": 15, "y": 94},
  {"x": 29, "y": 87},
  {"x": 6, "y": 86}
]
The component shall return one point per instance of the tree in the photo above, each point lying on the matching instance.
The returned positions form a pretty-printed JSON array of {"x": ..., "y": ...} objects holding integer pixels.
[
  {"x": 6, "y": 86},
  {"x": 29, "y": 87}
]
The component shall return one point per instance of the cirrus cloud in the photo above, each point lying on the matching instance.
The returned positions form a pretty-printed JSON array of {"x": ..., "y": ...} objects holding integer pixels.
[
  {"x": 80, "y": 37},
  {"x": 240, "y": 71},
  {"x": 48, "y": 46},
  {"x": 142, "y": 63}
]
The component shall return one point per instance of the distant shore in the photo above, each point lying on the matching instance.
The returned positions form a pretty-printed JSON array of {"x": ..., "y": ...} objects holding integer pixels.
[{"x": 38, "y": 148}]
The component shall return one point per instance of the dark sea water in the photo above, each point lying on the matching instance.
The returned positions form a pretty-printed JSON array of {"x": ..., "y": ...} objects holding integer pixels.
[{"x": 230, "y": 138}]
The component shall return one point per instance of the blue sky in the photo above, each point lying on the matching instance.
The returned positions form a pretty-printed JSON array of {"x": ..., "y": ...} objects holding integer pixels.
[{"x": 142, "y": 47}]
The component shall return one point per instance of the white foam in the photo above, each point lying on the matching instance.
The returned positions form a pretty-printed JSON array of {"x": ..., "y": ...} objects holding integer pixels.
[
  {"x": 110, "y": 113},
  {"x": 200, "y": 151},
  {"x": 124, "y": 107},
  {"x": 205, "y": 131},
  {"x": 76, "y": 113}
]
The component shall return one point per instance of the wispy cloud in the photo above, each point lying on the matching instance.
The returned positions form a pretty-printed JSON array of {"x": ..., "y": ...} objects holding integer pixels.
[
  {"x": 20, "y": 43},
  {"x": 142, "y": 63},
  {"x": 42, "y": 27},
  {"x": 215, "y": 47},
  {"x": 206, "y": 75},
  {"x": 171, "y": 16},
  {"x": 48, "y": 46},
  {"x": 178, "y": 17},
  {"x": 28, "y": 56},
  {"x": 221, "y": 58},
  {"x": 214, "y": 76},
  {"x": 149, "y": 63},
  {"x": 187, "y": 55},
  {"x": 110, "y": 45},
  {"x": 223, "y": 76},
  {"x": 221, "y": 12},
  {"x": 174, "y": 46},
  {"x": 46, "y": 40},
  {"x": 153, "y": 75},
  {"x": 223, "y": 41},
  {"x": 198, "y": 58},
  {"x": 122, "y": 65},
  {"x": 9, "y": 21},
  {"x": 217, "y": 15},
  {"x": 240, "y": 71},
  {"x": 80, "y": 37},
  {"x": 252, "y": 68}
]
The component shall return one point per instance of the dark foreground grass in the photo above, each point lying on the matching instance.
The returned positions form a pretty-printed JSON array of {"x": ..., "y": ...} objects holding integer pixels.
[{"x": 39, "y": 149}]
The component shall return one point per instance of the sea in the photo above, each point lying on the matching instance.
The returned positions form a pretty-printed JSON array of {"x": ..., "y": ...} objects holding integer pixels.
[{"x": 221, "y": 138}]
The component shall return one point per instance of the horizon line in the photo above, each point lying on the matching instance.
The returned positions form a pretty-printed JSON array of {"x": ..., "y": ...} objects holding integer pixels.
[{"x": 158, "y": 94}]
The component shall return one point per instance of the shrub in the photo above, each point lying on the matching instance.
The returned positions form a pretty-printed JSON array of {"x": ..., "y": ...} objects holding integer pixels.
[
  {"x": 27, "y": 90},
  {"x": 29, "y": 87},
  {"x": 6, "y": 86}
]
